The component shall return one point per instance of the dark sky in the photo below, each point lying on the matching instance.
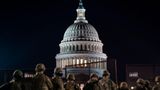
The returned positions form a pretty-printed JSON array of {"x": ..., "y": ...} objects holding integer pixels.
[{"x": 31, "y": 30}]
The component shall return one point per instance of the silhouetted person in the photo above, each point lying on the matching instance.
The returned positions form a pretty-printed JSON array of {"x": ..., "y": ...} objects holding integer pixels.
[
  {"x": 157, "y": 85},
  {"x": 40, "y": 80},
  {"x": 123, "y": 86},
  {"x": 106, "y": 82},
  {"x": 140, "y": 84},
  {"x": 57, "y": 79},
  {"x": 92, "y": 83},
  {"x": 147, "y": 85},
  {"x": 71, "y": 84},
  {"x": 16, "y": 83}
]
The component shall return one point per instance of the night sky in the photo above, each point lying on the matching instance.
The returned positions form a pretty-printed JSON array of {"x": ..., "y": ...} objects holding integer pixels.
[{"x": 31, "y": 30}]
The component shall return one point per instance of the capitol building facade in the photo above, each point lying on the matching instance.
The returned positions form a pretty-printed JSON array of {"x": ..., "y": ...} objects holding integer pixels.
[{"x": 81, "y": 50}]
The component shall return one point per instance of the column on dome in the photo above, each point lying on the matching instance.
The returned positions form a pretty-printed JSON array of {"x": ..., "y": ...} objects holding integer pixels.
[
  {"x": 68, "y": 49},
  {"x": 95, "y": 47},
  {"x": 87, "y": 47},
  {"x": 88, "y": 61},
  {"x": 92, "y": 62},
  {"x": 69, "y": 62},
  {"x": 101, "y": 63},
  {"x": 61, "y": 63},
  {"x": 77, "y": 61},
  {"x": 64, "y": 47},
  {"x": 85, "y": 62},
  {"x": 99, "y": 49},
  {"x": 78, "y": 47},
  {"x": 61, "y": 48},
  {"x": 57, "y": 63},
  {"x": 71, "y": 47},
  {"x": 74, "y": 62},
  {"x": 75, "y": 47},
  {"x": 95, "y": 62},
  {"x": 64, "y": 63},
  {"x": 91, "y": 46},
  {"x": 105, "y": 64}
]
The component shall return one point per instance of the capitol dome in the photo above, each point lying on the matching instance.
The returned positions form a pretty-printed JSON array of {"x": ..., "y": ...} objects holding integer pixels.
[
  {"x": 81, "y": 31},
  {"x": 81, "y": 49}
]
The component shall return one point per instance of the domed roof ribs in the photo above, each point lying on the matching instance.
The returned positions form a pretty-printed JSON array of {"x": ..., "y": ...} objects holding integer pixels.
[{"x": 81, "y": 13}]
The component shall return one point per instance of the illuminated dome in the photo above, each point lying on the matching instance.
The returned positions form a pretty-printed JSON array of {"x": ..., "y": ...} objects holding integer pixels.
[
  {"x": 81, "y": 47},
  {"x": 81, "y": 31}
]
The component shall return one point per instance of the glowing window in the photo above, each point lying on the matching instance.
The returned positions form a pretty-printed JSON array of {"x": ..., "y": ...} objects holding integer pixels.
[
  {"x": 133, "y": 74},
  {"x": 77, "y": 61},
  {"x": 85, "y": 63},
  {"x": 81, "y": 62}
]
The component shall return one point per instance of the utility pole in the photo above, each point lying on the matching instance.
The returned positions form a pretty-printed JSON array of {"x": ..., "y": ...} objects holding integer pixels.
[{"x": 116, "y": 77}]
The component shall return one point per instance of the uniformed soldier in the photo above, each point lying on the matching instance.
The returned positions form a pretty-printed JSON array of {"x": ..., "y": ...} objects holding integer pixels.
[
  {"x": 147, "y": 85},
  {"x": 106, "y": 82},
  {"x": 157, "y": 85},
  {"x": 40, "y": 80},
  {"x": 92, "y": 83},
  {"x": 70, "y": 84},
  {"x": 16, "y": 83},
  {"x": 123, "y": 86},
  {"x": 57, "y": 79},
  {"x": 140, "y": 84}
]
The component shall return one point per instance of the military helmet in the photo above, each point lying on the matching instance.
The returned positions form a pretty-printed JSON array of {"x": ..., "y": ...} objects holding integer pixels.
[
  {"x": 40, "y": 67},
  {"x": 18, "y": 74},
  {"x": 140, "y": 81},
  {"x": 58, "y": 70},
  {"x": 157, "y": 79},
  {"x": 93, "y": 75},
  {"x": 123, "y": 84},
  {"x": 106, "y": 73},
  {"x": 70, "y": 77}
]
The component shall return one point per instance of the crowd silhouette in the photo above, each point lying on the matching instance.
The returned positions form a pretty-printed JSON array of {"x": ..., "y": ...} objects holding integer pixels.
[{"x": 40, "y": 81}]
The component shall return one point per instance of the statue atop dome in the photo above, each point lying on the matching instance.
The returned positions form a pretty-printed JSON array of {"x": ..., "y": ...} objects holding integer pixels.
[{"x": 81, "y": 13}]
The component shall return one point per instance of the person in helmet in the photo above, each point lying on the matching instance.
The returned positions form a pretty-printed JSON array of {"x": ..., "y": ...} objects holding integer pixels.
[
  {"x": 92, "y": 83},
  {"x": 40, "y": 80},
  {"x": 106, "y": 82},
  {"x": 70, "y": 84},
  {"x": 147, "y": 84},
  {"x": 123, "y": 86},
  {"x": 57, "y": 79},
  {"x": 157, "y": 85},
  {"x": 140, "y": 84},
  {"x": 16, "y": 83}
]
